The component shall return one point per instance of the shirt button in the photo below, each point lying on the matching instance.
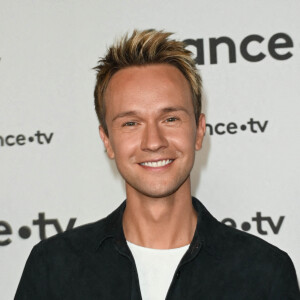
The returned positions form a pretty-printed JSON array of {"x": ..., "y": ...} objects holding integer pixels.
[{"x": 177, "y": 274}]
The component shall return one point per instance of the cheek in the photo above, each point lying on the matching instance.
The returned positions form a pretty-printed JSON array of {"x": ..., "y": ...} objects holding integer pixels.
[
  {"x": 184, "y": 139},
  {"x": 124, "y": 145}
]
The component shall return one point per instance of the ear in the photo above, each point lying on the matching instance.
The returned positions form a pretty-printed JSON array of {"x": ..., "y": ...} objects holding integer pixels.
[
  {"x": 200, "y": 132},
  {"x": 106, "y": 142}
]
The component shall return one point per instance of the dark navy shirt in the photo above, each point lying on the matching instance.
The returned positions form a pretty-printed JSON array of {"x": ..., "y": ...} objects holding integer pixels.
[{"x": 94, "y": 262}]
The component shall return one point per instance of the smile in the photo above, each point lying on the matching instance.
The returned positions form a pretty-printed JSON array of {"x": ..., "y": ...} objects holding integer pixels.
[{"x": 156, "y": 164}]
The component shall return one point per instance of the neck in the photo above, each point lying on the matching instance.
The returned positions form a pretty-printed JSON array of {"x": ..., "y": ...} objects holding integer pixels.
[{"x": 160, "y": 223}]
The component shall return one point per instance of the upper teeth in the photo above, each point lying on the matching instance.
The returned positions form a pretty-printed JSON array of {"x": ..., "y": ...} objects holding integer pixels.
[{"x": 155, "y": 164}]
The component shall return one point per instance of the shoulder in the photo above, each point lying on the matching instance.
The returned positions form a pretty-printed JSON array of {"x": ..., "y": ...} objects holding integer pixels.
[
  {"x": 249, "y": 249},
  {"x": 236, "y": 247},
  {"x": 228, "y": 242},
  {"x": 261, "y": 262},
  {"x": 80, "y": 239},
  {"x": 249, "y": 261}
]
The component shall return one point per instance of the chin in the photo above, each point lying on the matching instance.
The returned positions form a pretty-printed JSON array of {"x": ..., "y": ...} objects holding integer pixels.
[
  {"x": 157, "y": 189},
  {"x": 161, "y": 192}
]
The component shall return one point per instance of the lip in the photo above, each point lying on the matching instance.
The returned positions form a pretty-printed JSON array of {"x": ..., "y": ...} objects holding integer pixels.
[
  {"x": 158, "y": 159},
  {"x": 157, "y": 167}
]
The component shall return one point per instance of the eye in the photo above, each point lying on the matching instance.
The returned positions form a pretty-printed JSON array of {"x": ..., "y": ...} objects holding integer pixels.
[
  {"x": 129, "y": 124},
  {"x": 172, "y": 119}
]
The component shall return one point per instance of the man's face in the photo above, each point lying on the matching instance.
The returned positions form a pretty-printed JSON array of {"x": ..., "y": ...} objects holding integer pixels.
[{"x": 152, "y": 130}]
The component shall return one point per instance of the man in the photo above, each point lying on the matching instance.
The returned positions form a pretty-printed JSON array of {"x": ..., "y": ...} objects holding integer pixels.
[{"x": 160, "y": 243}]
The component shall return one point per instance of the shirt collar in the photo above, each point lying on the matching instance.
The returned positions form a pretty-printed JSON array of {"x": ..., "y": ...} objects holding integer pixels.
[{"x": 204, "y": 237}]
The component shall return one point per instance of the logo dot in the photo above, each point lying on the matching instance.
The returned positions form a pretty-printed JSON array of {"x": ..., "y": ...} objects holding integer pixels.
[
  {"x": 31, "y": 139},
  {"x": 243, "y": 127},
  {"x": 24, "y": 232},
  {"x": 246, "y": 226}
]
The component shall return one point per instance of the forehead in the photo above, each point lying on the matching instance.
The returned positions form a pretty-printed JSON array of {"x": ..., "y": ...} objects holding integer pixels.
[{"x": 148, "y": 85}]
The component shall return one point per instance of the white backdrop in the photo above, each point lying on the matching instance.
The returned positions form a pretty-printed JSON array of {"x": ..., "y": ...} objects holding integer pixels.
[{"x": 52, "y": 163}]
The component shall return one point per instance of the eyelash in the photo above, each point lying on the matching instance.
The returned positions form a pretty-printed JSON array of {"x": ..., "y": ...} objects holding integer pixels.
[
  {"x": 173, "y": 119},
  {"x": 129, "y": 124},
  {"x": 133, "y": 123}
]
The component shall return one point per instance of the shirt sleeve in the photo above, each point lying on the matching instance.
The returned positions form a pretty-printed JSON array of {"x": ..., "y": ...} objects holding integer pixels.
[
  {"x": 285, "y": 284},
  {"x": 34, "y": 277}
]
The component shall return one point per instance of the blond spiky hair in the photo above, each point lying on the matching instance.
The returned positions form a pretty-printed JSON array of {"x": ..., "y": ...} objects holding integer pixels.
[{"x": 144, "y": 48}]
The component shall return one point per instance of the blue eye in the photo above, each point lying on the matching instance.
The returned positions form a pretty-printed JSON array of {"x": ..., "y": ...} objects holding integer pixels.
[
  {"x": 172, "y": 119},
  {"x": 129, "y": 124}
]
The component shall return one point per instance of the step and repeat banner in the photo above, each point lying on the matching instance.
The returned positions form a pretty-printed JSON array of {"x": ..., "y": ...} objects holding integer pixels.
[{"x": 54, "y": 173}]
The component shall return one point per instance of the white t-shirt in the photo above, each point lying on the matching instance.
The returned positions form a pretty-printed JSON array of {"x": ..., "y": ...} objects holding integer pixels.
[{"x": 156, "y": 268}]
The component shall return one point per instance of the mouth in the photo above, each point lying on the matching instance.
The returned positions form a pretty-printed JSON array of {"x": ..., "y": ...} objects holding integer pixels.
[{"x": 157, "y": 164}]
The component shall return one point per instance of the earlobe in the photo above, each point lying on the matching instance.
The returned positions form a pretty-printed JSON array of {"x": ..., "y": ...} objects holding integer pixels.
[
  {"x": 200, "y": 132},
  {"x": 106, "y": 142}
]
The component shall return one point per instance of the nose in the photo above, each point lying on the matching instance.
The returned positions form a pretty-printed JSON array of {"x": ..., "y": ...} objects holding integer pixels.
[{"x": 154, "y": 138}]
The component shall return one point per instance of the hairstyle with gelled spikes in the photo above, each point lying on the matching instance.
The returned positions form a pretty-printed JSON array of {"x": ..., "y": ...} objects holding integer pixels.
[{"x": 144, "y": 48}]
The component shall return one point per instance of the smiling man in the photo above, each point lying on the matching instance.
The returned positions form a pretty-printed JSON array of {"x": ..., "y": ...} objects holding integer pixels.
[
  {"x": 160, "y": 243},
  {"x": 152, "y": 134}
]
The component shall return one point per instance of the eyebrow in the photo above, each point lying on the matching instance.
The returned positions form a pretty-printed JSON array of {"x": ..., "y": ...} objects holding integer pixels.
[
  {"x": 175, "y": 108},
  {"x": 125, "y": 114},
  {"x": 164, "y": 110}
]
